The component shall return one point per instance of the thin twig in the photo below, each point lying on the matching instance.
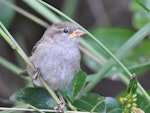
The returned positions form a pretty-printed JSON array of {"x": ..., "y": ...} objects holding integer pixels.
[
  {"x": 36, "y": 109},
  {"x": 10, "y": 66},
  {"x": 42, "y": 110},
  {"x": 49, "y": 90},
  {"x": 88, "y": 53}
]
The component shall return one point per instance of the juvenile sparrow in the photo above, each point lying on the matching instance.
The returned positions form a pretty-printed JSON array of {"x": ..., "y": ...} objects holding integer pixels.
[{"x": 56, "y": 55}]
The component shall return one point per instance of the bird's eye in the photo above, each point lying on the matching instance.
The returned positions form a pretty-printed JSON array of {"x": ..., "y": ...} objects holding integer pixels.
[{"x": 65, "y": 30}]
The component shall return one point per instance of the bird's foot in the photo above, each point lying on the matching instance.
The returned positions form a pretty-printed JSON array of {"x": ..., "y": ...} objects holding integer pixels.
[
  {"x": 60, "y": 107},
  {"x": 36, "y": 74}
]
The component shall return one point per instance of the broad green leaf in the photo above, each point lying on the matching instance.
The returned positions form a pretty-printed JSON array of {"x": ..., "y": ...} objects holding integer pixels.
[
  {"x": 112, "y": 38},
  {"x": 132, "y": 85},
  {"x": 72, "y": 90},
  {"x": 91, "y": 102},
  {"x": 36, "y": 96},
  {"x": 6, "y": 14}
]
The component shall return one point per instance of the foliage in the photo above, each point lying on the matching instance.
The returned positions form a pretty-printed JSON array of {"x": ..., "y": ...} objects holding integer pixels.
[
  {"x": 103, "y": 43},
  {"x": 141, "y": 9},
  {"x": 40, "y": 98},
  {"x": 7, "y": 14}
]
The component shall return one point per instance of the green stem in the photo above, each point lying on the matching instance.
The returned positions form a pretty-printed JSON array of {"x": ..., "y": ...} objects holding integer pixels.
[
  {"x": 36, "y": 109},
  {"x": 10, "y": 66},
  {"x": 143, "y": 92},
  {"x": 71, "y": 5},
  {"x": 143, "y": 65},
  {"x": 3, "y": 34},
  {"x": 42, "y": 10},
  {"x": 25, "y": 13},
  {"x": 93, "y": 51},
  {"x": 14, "y": 45},
  {"x": 146, "y": 8},
  {"x": 50, "y": 90}
]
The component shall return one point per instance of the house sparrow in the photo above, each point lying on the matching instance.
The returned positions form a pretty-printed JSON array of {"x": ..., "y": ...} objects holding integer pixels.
[{"x": 56, "y": 55}]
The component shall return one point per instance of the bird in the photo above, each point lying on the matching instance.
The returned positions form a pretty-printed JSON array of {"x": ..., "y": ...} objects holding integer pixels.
[{"x": 56, "y": 55}]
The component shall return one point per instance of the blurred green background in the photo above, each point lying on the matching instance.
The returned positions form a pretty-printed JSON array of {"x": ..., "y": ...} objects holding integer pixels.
[{"x": 112, "y": 22}]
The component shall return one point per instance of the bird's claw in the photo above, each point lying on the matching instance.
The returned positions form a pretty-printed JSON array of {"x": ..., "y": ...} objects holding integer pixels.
[
  {"x": 36, "y": 74},
  {"x": 60, "y": 107}
]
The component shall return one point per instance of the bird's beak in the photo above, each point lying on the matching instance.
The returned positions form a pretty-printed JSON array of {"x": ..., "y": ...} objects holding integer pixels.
[{"x": 77, "y": 33}]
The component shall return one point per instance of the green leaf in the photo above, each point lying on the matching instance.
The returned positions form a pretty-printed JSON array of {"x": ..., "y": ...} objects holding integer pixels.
[
  {"x": 112, "y": 38},
  {"x": 145, "y": 4},
  {"x": 132, "y": 85},
  {"x": 115, "y": 110},
  {"x": 7, "y": 14},
  {"x": 141, "y": 9},
  {"x": 147, "y": 108},
  {"x": 139, "y": 68},
  {"x": 36, "y": 96},
  {"x": 72, "y": 90},
  {"x": 140, "y": 19},
  {"x": 136, "y": 60},
  {"x": 91, "y": 102},
  {"x": 111, "y": 104},
  {"x": 143, "y": 103}
]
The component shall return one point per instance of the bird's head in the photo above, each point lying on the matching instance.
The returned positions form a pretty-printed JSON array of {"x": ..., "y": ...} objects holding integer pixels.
[{"x": 64, "y": 33}]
